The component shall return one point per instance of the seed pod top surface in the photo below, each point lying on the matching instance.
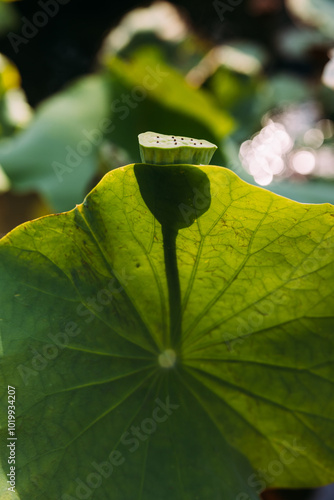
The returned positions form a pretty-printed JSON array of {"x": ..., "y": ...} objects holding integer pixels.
[{"x": 163, "y": 149}]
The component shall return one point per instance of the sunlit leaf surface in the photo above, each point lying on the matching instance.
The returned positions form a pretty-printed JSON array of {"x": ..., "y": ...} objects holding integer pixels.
[{"x": 170, "y": 338}]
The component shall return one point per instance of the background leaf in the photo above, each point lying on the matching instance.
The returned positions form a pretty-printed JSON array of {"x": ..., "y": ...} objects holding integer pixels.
[
  {"x": 60, "y": 154},
  {"x": 54, "y": 155},
  {"x": 171, "y": 105}
]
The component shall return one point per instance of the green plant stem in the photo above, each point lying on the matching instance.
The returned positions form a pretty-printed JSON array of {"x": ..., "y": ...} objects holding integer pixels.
[{"x": 173, "y": 281}]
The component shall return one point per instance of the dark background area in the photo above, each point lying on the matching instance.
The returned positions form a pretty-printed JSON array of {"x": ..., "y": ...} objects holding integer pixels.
[
  {"x": 68, "y": 45},
  {"x": 66, "y": 48}
]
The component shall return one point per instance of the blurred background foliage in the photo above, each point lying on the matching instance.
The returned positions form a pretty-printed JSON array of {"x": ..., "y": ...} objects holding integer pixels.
[
  {"x": 265, "y": 99},
  {"x": 78, "y": 84},
  {"x": 268, "y": 106}
]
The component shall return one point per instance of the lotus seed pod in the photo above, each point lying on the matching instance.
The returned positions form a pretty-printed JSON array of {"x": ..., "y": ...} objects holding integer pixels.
[{"x": 160, "y": 149}]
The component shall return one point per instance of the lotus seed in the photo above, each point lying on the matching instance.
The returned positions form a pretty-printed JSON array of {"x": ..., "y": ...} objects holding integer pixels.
[{"x": 154, "y": 151}]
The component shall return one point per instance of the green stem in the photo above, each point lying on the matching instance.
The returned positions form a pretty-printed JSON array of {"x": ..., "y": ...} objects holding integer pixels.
[{"x": 173, "y": 283}]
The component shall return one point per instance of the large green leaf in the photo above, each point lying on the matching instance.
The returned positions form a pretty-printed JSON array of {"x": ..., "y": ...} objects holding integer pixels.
[{"x": 178, "y": 327}]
